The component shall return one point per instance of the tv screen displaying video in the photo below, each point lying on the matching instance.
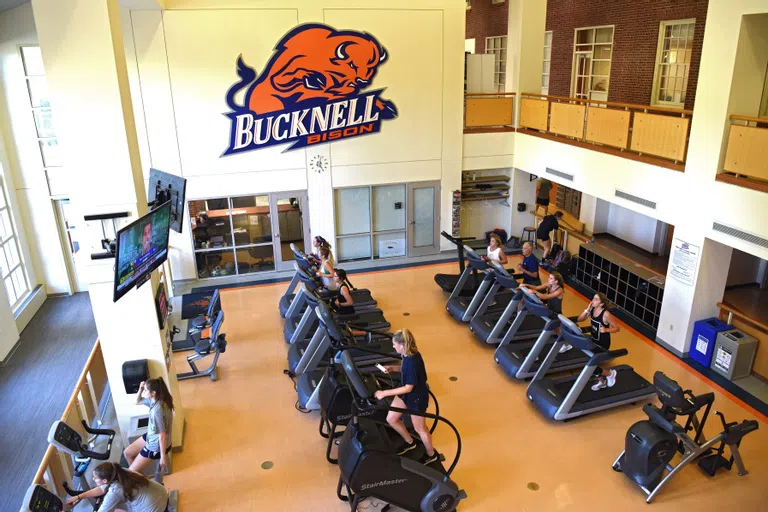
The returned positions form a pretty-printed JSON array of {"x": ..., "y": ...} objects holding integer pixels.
[{"x": 142, "y": 246}]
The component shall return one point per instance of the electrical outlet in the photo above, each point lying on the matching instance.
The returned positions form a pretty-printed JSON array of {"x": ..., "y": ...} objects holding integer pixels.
[{"x": 671, "y": 327}]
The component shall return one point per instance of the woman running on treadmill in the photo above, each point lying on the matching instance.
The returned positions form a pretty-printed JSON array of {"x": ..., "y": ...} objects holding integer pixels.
[
  {"x": 325, "y": 270},
  {"x": 495, "y": 251},
  {"x": 414, "y": 396},
  {"x": 317, "y": 243},
  {"x": 156, "y": 443},
  {"x": 603, "y": 324},
  {"x": 550, "y": 292},
  {"x": 343, "y": 303},
  {"x": 125, "y": 489}
]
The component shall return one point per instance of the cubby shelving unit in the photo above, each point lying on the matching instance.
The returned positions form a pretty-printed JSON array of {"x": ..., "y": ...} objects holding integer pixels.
[{"x": 633, "y": 288}]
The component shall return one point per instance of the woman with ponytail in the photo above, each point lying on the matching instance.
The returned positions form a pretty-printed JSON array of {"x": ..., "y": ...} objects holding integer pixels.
[
  {"x": 414, "y": 395},
  {"x": 124, "y": 490},
  {"x": 156, "y": 443},
  {"x": 603, "y": 324}
]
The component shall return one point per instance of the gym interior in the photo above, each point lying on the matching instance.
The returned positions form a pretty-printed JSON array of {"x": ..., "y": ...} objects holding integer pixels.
[{"x": 221, "y": 162}]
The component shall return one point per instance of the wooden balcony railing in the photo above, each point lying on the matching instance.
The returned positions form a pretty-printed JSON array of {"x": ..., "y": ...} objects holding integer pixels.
[
  {"x": 635, "y": 131},
  {"x": 57, "y": 468},
  {"x": 489, "y": 112},
  {"x": 746, "y": 157}
]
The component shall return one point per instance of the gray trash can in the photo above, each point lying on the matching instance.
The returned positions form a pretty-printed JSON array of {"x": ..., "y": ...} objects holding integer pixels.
[{"x": 734, "y": 354}]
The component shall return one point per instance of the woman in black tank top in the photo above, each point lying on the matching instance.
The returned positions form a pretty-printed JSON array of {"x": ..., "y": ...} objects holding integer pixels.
[
  {"x": 602, "y": 324},
  {"x": 343, "y": 303},
  {"x": 550, "y": 292}
]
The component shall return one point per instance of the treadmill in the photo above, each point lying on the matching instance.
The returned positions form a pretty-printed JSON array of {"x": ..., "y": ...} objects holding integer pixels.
[
  {"x": 521, "y": 359},
  {"x": 464, "y": 308},
  {"x": 571, "y": 396},
  {"x": 325, "y": 349},
  {"x": 361, "y": 297},
  {"x": 302, "y": 326},
  {"x": 448, "y": 281}
]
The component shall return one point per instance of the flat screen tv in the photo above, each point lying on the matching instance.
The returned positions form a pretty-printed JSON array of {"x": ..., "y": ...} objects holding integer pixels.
[
  {"x": 164, "y": 187},
  {"x": 141, "y": 247}
]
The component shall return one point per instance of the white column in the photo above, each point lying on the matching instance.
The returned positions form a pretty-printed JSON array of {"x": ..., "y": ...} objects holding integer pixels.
[
  {"x": 83, "y": 51},
  {"x": 525, "y": 45},
  {"x": 686, "y": 301}
]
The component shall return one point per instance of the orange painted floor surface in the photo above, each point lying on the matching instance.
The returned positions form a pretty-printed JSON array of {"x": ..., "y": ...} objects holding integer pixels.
[{"x": 248, "y": 417}]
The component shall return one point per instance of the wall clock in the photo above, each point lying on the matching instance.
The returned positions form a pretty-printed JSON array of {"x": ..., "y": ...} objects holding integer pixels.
[{"x": 318, "y": 163}]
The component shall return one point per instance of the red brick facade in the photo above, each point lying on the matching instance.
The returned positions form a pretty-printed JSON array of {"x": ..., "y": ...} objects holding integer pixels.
[
  {"x": 486, "y": 20},
  {"x": 635, "y": 41}
]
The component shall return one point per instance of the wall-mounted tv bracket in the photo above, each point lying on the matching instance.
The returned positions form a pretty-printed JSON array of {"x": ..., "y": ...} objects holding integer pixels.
[
  {"x": 532, "y": 177},
  {"x": 107, "y": 244},
  {"x": 163, "y": 194}
]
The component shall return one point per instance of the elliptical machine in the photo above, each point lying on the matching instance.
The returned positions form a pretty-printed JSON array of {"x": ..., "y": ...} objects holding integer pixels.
[
  {"x": 651, "y": 444},
  {"x": 370, "y": 466}
]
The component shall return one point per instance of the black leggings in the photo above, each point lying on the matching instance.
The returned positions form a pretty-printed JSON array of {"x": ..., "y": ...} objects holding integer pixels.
[{"x": 603, "y": 342}]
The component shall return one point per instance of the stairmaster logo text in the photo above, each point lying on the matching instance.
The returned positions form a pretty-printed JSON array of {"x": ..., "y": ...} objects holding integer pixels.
[
  {"x": 382, "y": 483},
  {"x": 310, "y": 92}
]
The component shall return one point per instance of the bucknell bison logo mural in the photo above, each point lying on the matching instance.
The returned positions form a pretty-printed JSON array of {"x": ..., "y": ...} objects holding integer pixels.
[{"x": 310, "y": 92}]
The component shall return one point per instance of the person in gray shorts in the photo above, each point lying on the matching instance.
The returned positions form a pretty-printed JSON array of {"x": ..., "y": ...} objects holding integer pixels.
[
  {"x": 124, "y": 490},
  {"x": 156, "y": 443}
]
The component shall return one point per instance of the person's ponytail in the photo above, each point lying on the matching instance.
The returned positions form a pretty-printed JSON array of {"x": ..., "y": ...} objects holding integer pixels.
[
  {"x": 405, "y": 338},
  {"x": 158, "y": 387}
]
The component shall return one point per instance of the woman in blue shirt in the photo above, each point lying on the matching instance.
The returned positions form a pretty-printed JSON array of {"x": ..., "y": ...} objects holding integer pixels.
[{"x": 414, "y": 395}]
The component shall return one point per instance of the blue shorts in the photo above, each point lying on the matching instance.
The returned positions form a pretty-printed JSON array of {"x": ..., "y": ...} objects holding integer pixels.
[
  {"x": 416, "y": 402},
  {"x": 149, "y": 454}
]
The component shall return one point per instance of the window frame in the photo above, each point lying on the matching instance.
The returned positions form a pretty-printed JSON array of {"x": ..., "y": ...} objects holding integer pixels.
[
  {"x": 663, "y": 24},
  {"x": 592, "y": 59},
  {"x": 496, "y": 52},
  {"x": 13, "y": 239},
  {"x": 545, "y": 88}
]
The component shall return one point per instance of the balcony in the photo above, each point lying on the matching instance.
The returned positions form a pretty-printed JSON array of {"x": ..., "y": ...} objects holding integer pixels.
[
  {"x": 489, "y": 112},
  {"x": 746, "y": 156},
  {"x": 653, "y": 135}
]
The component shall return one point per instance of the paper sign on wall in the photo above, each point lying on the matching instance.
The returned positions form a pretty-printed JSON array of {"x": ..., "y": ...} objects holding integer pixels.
[
  {"x": 685, "y": 260},
  {"x": 310, "y": 91}
]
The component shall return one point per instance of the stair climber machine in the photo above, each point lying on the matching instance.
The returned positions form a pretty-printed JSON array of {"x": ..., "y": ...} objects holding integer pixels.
[
  {"x": 521, "y": 359},
  {"x": 650, "y": 445},
  {"x": 370, "y": 466},
  {"x": 40, "y": 499},
  {"x": 68, "y": 440},
  {"x": 448, "y": 281},
  {"x": 323, "y": 350},
  {"x": 571, "y": 396},
  {"x": 464, "y": 308},
  {"x": 361, "y": 297},
  {"x": 301, "y": 326}
]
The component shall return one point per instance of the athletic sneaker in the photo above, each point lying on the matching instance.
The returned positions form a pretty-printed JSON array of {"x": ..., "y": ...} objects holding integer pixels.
[
  {"x": 429, "y": 459},
  {"x": 612, "y": 379},
  {"x": 600, "y": 385},
  {"x": 406, "y": 448},
  {"x": 565, "y": 348}
]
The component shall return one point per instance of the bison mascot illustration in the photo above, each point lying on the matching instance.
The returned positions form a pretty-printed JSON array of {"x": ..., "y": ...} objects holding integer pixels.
[{"x": 313, "y": 62}]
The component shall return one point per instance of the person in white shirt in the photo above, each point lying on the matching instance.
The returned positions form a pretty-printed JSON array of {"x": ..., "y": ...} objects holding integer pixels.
[{"x": 495, "y": 251}]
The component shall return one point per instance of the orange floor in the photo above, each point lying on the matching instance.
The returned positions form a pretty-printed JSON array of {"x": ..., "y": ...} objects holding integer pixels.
[{"x": 248, "y": 417}]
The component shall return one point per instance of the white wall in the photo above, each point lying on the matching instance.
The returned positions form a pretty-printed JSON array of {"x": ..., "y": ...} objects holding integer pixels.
[
  {"x": 745, "y": 269},
  {"x": 9, "y": 335},
  {"x": 477, "y": 217},
  {"x": 184, "y": 60},
  {"x": 523, "y": 191},
  {"x": 632, "y": 227}
]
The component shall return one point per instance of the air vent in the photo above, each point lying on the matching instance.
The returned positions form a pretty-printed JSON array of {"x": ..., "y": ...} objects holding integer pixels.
[
  {"x": 563, "y": 175},
  {"x": 742, "y": 235},
  {"x": 635, "y": 199}
]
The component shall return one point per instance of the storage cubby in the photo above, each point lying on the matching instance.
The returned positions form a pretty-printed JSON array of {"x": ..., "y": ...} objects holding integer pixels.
[{"x": 634, "y": 289}]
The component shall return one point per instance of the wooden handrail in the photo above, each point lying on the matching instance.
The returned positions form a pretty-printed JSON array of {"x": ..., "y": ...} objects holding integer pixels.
[
  {"x": 576, "y": 234},
  {"x": 744, "y": 318},
  {"x": 470, "y": 94},
  {"x": 611, "y": 103},
  {"x": 749, "y": 119},
  {"x": 43, "y": 465}
]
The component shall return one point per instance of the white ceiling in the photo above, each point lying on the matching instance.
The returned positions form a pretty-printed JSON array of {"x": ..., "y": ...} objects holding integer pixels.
[{"x": 10, "y": 4}]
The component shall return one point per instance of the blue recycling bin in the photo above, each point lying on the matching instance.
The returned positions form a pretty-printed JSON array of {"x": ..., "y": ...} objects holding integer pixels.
[{"x": 703, "y": 339}]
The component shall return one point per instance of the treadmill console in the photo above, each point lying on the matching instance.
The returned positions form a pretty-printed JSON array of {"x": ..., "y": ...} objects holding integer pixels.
[
  {"x": 498, "y": 268},
  {"x": 65, "y": 438},
  {"x": 40, "y": 499},
  {"x": 531, "y": 295},
  {"x": 569, "y": 325}
]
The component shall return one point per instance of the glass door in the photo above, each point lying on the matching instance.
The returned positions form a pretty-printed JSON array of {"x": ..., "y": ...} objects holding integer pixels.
[
  {"x": 423, "y": 218},
  {"x": 290, "y": 225}
]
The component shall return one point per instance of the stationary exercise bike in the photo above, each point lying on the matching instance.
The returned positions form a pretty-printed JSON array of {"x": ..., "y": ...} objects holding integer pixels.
[{"x": 651, "y": 444}]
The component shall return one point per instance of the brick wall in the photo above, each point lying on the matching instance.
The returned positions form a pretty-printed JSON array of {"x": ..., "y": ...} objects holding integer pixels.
[
  {"x": 486, "y": 20},
  {"x": 635, "y": 40}
]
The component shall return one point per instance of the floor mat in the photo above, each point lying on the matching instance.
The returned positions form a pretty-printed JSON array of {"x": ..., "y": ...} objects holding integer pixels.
[{"x": 195, "y": 304}]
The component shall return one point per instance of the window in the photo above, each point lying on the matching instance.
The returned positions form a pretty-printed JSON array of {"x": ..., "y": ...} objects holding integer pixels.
[
  {"x": 498, "y": 47},
  {"x": 673, "y": 61},
  {"x": 39, "y": 101},
  {"x": 370, "y": 222},
  {"x": 12, "y": 270},
  {"x": 592, "y": 51},
  {"x": 232, "y": 235},
  {"x": 546, "y": 62}
]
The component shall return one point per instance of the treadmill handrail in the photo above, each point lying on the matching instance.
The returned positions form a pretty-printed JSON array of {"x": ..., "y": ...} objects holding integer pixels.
[{"x": 602, "y": 357}]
